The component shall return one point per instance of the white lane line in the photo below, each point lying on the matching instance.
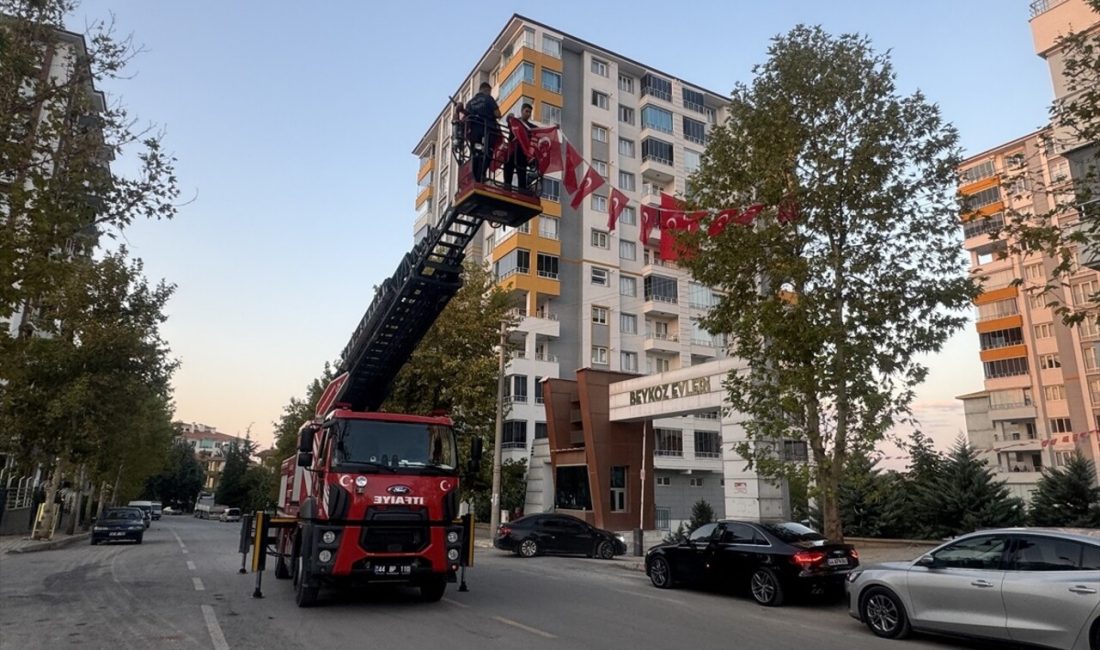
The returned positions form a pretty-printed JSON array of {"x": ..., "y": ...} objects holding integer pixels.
[
  {"x": 190, "y": 565},
  {"x": 525, "y": 628},
  {"x": 178, "y": 540},
  {"x": 215, "y": 630},
  {"x": 185, "y": 551},
  {"x": 198, "y": 584},
  {"x": 456, "y": 603}
]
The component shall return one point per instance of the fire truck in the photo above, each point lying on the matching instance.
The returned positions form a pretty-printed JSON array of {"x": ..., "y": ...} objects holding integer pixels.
[{"x": 374, "y": 496}]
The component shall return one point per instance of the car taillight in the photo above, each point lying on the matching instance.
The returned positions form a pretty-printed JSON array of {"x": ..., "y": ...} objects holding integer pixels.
[
  {"x": 504, "y": 531},
  {"x": 807, "y": 559}
]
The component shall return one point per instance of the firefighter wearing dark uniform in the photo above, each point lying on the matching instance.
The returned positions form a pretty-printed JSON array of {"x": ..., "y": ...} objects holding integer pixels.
[{"x": 482, "y": 114}]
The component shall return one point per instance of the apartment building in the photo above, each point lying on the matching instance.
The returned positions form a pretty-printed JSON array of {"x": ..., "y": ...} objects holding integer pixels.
[
  {"x": 588, "y": 297},
  {"x": 1042, "y": 379},
  {"x": 210, "y": 447}
]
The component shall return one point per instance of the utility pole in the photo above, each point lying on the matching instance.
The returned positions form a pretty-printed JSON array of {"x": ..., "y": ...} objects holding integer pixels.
[{"x": 494, "y": 506}]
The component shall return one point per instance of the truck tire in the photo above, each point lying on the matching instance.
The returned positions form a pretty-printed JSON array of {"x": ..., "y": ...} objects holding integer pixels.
[
  {"x": 305, "y": 595},
  {"x": 433, "y": 590},
  {"x": 281, "y": 570}
]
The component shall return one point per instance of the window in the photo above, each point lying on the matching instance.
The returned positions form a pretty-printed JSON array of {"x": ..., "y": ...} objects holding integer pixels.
[
  {"x": 1049, "y": 361},
  {"x": 700, "y": 296},
  {"x": 599, "y": 67},
  {"x": 708, "y": 444},
  {"x": 1037, "y": 301},
  {"x": 599, "y": 133},
  {"x": 628, "y": 361},
  {"x": 600, "y": 166},
  {"x": 548, "y": 227},
  {"x": 600, "y": 239},
  {"x": 1005, "y": 367},
  {"x": 514, "y": 434},
  {"x": 626, "y": 148},
  {"x": 693, "y": 99},
  {"x": 981, "y": 225},
  {"x": 660, "y": 364},
  {"x": 692, "y": 160},
  {"x": 618, "y": 488},
  {"x": 551, "y": 46},
  {"x": 984, "y": 169},
  {"x": 1001, "y": 338},
  {"x": 626, "y": 84},
  {"x": 657, "y": 87},
  {"x": 695, "y": 482},
  {"x": 981, "y": 552},
  {"x": 628, "y": 250},
  {"x": 551, "y": 81},
  {"x": 550, "y": 114},
  {"x": 998, "y": 309},
  {"x": 516, "y": 388},
  {"x": 600, "y": 100},
  {"x": 655, "y": 117},
  {"x": 660, "y": 288},
  {"x": 1061, "y": 425},
  {"x": 981, "y": 199},
  {"x": 547, "y": 265},
  {"x": 599, "y": 355},
  {"x": 599, "y": 203},
  {"x": 1055, "y": 392},
  {"x": 540, "y": 430},
  {"x": 657, "y": 150},
  {"x": 664, "y": 481},
  {"x": 1088, "y": 328},
  {"x": 628, "y": 216},
  {"x": 628, "y": 285},
  {"x": 1088, "y": 353},
  {"x": 551, "y": 189},
  {"x": 571, "y": 488},
  {"x": 626, "y": 114},
  {"x": 599, "y": 315},
  {"x": 695, "y": 131},
  {"x": 627, "y": 181},
  {"x": 1094, "y": 391},
  {"x": 1053, "y": 554},
  {"x": 517, "y": 261},
  {"x": 1044, "y": 330},
  {"x": 600, "y": 277},
  {"x": 1084, "y": 291},
  {"x": 524, "y": 73},
  {"x": 669, "y": 442},
  {"x": 796, "y": 450},
  {"x": 628, "y": 323}
]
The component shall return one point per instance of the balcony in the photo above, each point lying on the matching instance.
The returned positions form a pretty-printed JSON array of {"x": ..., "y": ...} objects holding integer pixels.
[
  {"x": 657, "y": 168},
  {"x": 1012, "y": 412},
  {"x": 662, "y": 342},
  {"x": 657, "y": 305}
]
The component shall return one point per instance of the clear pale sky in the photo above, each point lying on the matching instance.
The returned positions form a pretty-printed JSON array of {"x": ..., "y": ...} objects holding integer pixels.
[{"x": 293, "y": 123}]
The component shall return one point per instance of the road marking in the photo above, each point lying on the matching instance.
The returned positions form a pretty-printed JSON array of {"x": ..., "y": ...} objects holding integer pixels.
[
  {"x": 215, "y": 630},
  {"x": 178, "y": 540},
  {"x": 190, "y": 565},
  {"x": 456, "y": 603},
  {"x": 198, "y": 584},
  {"x": 185, "y": 551},
  {"x": 525, "y": 628}
]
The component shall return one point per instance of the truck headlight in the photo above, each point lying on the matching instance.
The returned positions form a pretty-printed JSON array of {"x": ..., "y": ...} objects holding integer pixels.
[
  {"x": 452, "y": 537},
  {"x": 325, "y": 556},
  {"x": 452, "y": 555},
  {"x": 328, "y": 537}
]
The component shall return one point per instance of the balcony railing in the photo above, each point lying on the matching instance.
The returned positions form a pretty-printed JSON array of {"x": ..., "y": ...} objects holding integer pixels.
[
  {"x": 661, "y": 336},
  {"x": 656, "y": 158},
  {"x": 671, "y": 453},
  {"x": 546, "y": 315},
  {"x": 660, "y": 298},
  {"x": 550, "y": 275},
  {"x": 1043, "y": 6},
  {"x": 520, "y": 270},
  {"x": 708, "y": 454},
  {"x": 551, "y": 358}
]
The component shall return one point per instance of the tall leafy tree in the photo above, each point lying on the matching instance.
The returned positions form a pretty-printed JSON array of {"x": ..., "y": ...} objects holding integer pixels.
[
  {"x": 969, "y": 497},
  {"x": 181, "y": 479},
  {"x": 233, "y": 489},
  {"x": 1067, "y": 496},
  {"x": 830, "y": 312}
]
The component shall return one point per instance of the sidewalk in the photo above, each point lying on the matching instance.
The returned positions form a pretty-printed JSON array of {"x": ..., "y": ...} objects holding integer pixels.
[{"x": 24, "y": 544}]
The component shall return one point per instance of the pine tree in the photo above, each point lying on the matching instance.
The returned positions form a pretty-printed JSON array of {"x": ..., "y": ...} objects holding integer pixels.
[
  {"x": 920, "y": 499},
  {"x": 1067, "y": 497},
  {"x": 862, "y": 498},
  {"x": 967, "y": 496}
]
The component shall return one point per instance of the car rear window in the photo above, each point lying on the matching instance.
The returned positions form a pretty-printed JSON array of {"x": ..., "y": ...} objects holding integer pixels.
[
  {"x": 793, "y": 532},
  {"x": 121, "y": 514}
]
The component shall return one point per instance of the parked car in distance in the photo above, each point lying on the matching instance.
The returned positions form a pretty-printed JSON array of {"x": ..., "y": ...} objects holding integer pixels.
[
  {"x": 1033, "y": 586},
  {"x": 770, "y": 561},
  {"x": 146, "y": 507},
  {"x": 118, "y": 524},
  {"x": 230, "y": 514},
  {"x": 557, "y": 534},
  {"x": 169, "y": 510},
  {"x": 156, "y": 510}
]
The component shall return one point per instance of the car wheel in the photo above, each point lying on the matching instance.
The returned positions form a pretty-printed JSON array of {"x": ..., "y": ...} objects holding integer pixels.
[
  {"x": 884, "y": 614},
  {"x": 139, "y": 539},
  {"x": 605, "y": 550},
  {"x": 432, "y": 592},
  {"x": 528, "y": 548},
  {"x": 660, "y": 573},
  {"x": 765, "y": 588}
]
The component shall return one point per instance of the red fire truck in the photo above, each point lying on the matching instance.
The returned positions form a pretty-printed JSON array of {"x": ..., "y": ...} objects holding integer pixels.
[{"x": 374, "y": 496}]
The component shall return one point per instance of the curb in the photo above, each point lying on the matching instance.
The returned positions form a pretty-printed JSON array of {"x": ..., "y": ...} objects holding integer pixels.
[{"x": 35, "y": 547}]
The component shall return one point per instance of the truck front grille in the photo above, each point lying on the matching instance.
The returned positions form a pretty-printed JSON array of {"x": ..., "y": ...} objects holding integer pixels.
[{"x": 394, "y": 531}]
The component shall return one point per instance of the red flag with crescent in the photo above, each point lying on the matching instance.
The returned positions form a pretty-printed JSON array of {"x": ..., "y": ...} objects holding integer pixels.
[
  {"x": 547, "y": 149},
  {"x": 573, "y": 161},
  {"x": 618, "y": 202},
  {"x": 672, "y": 221},
  {"x": 521, "y": 136},
  {"x": 650, "y": 219},
  {"x": 591, "y": 181}
]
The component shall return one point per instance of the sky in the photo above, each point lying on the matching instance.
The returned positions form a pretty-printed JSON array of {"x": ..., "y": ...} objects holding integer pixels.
[{"x": 293, "y": 124}]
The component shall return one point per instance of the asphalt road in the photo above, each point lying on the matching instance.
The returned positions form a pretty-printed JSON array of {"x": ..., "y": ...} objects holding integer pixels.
[{"x": 181, "y": 589}]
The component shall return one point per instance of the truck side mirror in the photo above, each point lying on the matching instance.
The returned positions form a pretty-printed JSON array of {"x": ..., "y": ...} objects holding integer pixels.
[
  {"x": 305, "y": 439},
  {"x": 305, "y": 458}
]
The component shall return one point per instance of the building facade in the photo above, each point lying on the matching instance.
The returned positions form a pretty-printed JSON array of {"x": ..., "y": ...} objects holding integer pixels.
[
  {"x": 588, "y": 297},
  {"x": 211, "y": 448}
]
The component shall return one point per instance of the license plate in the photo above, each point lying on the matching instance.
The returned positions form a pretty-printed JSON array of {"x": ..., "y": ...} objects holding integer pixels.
[
  {"x": 392, "y": 570},
  {"x": 117, "y": 534},
  {"x": 837, "y": 561}
]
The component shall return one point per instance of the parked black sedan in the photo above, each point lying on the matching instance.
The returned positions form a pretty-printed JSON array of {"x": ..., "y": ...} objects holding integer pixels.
[
  {"x": 558, "y": 534},
  {"x": 119, "y": 524},
  {"x": 769, "y": 560}
]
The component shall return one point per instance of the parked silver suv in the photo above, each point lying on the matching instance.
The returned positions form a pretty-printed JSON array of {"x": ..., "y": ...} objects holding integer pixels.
[{"x": 1025, "y": 585}]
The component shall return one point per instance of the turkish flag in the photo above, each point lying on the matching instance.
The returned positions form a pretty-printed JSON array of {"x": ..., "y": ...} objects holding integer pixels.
[
  {"x": 618, "y": 203},
  {"x": 591, "y": 181},
  {"x": 650, "y": 219},
  {"x": 520, "y": 135},
  {"x": 1044, "y": 443},
  {"x": 573, "y": 160},
  {"x": 677, "y": 220},
  {"x": 546, "y": 147},
  {"x": 502, "y": 150},
  {"x": 669, "y": 202}
]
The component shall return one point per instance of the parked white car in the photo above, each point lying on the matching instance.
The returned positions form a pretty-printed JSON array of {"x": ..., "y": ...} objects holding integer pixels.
[{"x": 1024, "y": 585}]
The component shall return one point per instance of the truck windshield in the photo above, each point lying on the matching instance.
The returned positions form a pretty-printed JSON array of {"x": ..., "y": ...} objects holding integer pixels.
[{"x": 396, "y": 445}]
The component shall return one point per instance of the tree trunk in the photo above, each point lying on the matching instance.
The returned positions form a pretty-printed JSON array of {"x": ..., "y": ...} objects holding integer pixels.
[
  {"x": 830, "y": 509},
  {"x": 89, "y": 508},
  {"x": 102, "y": 501},
  {"x": 77, "y": 510},
  {"x": 44, "y": 526}
]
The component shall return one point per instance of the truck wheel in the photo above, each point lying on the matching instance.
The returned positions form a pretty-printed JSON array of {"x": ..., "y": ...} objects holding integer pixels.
[
  {"x": 282, "y": 572},
  {"x": 305, "y": 596},
  {"x": 432, "y": 591}
]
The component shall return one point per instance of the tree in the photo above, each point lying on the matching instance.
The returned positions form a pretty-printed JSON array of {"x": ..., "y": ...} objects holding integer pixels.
[
  {"x": 1067, "y": 497},
  {"x": 968, "y": 497},
  {"x": 180, "y": 480},
  {"x": 921, "y": 501},
  {"x": 862, "y": 497},
  {"x": 232, "y": 489},
  {"x": 701, "y": 513},
  {"x": 829, "y": 312},
  {"x": 296, "y": 413}
]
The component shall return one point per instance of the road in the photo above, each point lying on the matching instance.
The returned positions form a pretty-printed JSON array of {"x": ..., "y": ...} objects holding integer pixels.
[{"x": 181, "y": 589}]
